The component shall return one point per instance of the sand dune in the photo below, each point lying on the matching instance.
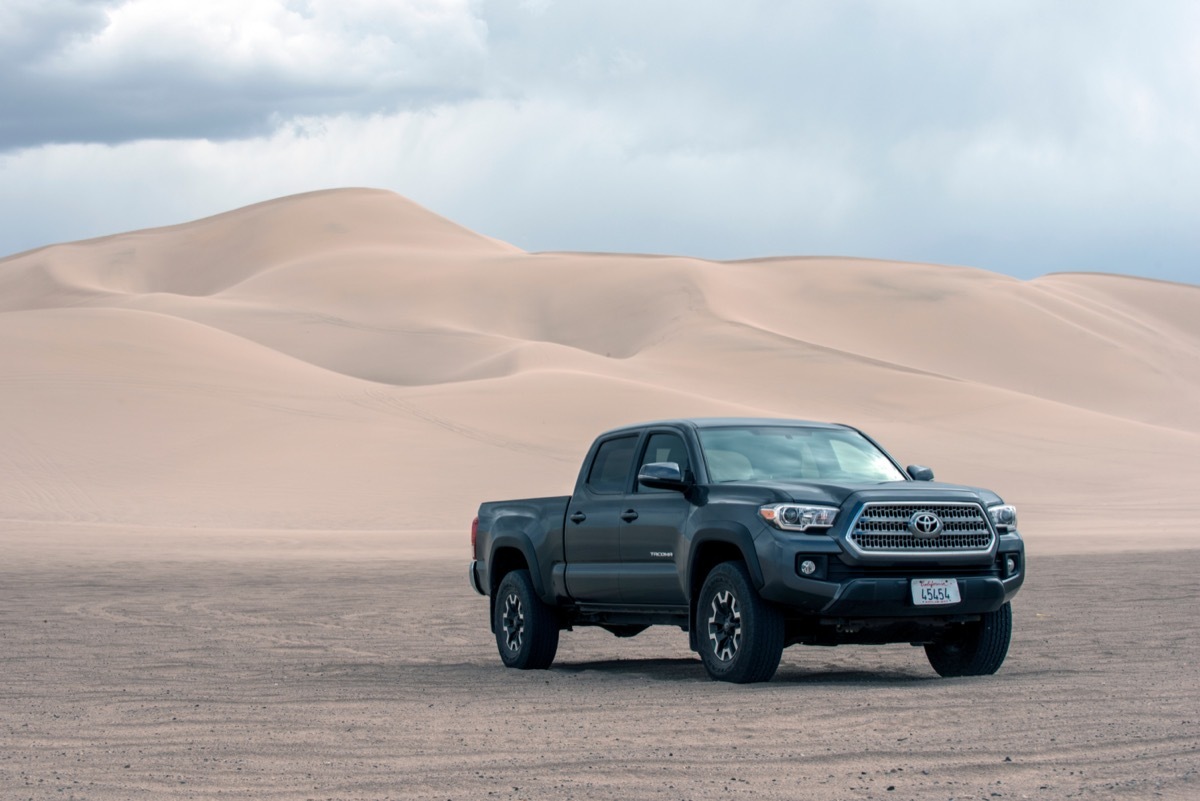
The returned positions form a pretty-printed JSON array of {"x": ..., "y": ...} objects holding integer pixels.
[{"x": 349, "y": 360}]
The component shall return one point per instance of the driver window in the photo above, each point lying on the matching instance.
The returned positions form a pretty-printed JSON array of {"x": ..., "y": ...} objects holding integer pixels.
[{"x": 664, "y": 448}]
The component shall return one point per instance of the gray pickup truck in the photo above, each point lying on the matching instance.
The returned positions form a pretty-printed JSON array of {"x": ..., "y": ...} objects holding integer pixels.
[{"x": 752, "y": 535}]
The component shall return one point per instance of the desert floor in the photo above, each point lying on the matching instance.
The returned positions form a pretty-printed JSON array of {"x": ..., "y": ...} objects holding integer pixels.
[{"x": 138, "y": 664}]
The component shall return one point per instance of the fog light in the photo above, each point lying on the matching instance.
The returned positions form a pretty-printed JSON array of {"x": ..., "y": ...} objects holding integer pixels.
[
  {"x": 1010, "y": 565},
  {"x": 808, "y": 567}
]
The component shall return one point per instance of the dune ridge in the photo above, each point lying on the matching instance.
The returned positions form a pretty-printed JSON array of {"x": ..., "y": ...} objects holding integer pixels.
[{"x": 345, "y": 359}]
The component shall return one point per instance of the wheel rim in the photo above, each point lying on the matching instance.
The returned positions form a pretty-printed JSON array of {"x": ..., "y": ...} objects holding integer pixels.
[
  {"x": 512, "y": 622},
  {"x": 725, "y": 625}
]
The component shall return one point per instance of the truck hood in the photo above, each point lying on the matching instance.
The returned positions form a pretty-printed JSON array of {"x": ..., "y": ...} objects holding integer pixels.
[{"x": 829, "y": 494}]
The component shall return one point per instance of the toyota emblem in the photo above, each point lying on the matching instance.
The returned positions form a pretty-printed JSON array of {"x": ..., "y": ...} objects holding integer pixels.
[{"x": 925, "y": 525}]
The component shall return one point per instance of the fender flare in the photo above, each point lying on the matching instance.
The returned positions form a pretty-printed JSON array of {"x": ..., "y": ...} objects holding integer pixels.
[
  {"x": 520, "y": 542},
  {"x": 733, "y": 534}
]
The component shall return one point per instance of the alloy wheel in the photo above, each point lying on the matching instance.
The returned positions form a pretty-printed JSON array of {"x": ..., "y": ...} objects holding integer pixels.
[
  {"x": 725, "y": 625},
  {"x": 512, "y": 621}
]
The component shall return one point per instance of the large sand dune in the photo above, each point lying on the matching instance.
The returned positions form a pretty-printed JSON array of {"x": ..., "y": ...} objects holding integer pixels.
[{"x": 349, "y": 360}]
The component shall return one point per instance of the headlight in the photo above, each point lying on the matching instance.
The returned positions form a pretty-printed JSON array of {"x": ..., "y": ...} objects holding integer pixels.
[
  {"x": 795, "y": 517},
  {"x": 1004, "y": 517}
]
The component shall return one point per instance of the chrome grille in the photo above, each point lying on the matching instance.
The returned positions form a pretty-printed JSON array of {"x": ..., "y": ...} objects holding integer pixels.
[{"x": 884, "y": 527}]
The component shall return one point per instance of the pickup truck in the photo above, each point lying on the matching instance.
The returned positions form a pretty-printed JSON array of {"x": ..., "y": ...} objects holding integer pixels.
[{"x": 752, "y": 535}]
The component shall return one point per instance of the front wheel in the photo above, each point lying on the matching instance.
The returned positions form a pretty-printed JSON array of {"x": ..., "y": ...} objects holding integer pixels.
[
  {"x": 976, "y": 649},
  {"x": 526, "y": 628},
  {"x": 740, "y": 634}
]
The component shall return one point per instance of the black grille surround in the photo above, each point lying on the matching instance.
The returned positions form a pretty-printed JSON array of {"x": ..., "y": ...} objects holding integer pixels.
[{"x": 882, "y": 528}]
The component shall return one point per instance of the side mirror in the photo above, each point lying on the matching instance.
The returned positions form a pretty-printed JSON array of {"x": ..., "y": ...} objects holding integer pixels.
[
  {"x": 919, "y": 473},
  {"x": 662, "y": 475}
]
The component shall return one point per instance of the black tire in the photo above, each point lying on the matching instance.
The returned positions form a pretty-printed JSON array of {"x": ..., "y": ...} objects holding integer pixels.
[
  {"x": 526, "y": 628},
  {"x": 740, "y": 635},
  {"x": 975, "y": 649}
]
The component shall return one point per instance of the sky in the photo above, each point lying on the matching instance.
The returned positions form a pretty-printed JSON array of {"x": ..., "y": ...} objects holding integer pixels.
[{"x": 1019, "y": 136}]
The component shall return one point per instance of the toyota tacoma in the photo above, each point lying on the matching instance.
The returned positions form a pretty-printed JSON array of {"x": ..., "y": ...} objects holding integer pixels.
[{"x": 752, "y": 535}]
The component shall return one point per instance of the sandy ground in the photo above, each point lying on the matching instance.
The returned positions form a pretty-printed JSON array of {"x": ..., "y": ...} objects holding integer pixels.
[{"x": 173, "y": 665}]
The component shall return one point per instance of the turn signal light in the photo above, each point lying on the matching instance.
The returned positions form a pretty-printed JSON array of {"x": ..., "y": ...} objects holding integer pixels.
[{"x": 474, "y": 534}]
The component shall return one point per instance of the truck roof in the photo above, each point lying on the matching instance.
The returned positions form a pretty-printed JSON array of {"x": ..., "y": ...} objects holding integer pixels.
[{"x": 723, "y": 422}]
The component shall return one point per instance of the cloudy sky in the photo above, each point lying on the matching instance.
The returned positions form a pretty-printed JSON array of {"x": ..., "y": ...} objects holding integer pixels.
[{"x": 1022, "y": 136}]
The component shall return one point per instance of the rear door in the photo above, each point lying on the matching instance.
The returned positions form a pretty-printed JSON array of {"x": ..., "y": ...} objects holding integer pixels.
[
  {"x": 651, "y": 523},
  {"x": 592, "y": 530}
]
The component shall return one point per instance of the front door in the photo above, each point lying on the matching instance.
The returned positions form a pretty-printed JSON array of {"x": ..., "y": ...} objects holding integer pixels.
[{"x": 651, "y": 524}]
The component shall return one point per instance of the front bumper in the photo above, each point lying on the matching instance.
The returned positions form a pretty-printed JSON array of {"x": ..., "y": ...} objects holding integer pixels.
[{"x": 840, "y": 590}]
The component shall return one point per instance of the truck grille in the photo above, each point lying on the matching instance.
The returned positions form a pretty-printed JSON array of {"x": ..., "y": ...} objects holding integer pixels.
[{"x": 885, "y": 527}]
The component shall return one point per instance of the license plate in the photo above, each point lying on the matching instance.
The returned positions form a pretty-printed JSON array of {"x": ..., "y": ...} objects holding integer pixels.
[{"x": 935, "y": 592}]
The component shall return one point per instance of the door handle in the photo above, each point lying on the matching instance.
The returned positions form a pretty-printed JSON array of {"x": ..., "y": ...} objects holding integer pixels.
[
  {"x": 629, "y": 515},
  {"x": 578, "y": 517}
]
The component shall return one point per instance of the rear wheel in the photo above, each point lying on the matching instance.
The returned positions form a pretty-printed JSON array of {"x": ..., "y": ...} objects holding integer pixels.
[
  {"x": 740, "y": 634},
  {"x": 975, "y": 649},
  {"x": 526, "y": 628}
]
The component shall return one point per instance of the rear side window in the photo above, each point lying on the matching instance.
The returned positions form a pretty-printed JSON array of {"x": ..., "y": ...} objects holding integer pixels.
[{"x": 610, "y": 469}]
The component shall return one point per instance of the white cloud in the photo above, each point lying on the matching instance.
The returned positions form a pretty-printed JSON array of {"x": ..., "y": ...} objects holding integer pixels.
[
  {"x": 317, "y": 43},
  {"x": 135, "y": 69}
]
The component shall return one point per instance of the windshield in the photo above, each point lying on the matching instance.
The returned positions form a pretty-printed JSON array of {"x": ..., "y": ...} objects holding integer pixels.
[{"x": 793, "y": 453}]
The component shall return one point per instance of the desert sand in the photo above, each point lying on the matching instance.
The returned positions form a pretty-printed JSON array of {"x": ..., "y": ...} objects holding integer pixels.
[{"x": 239, "y": 458}]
